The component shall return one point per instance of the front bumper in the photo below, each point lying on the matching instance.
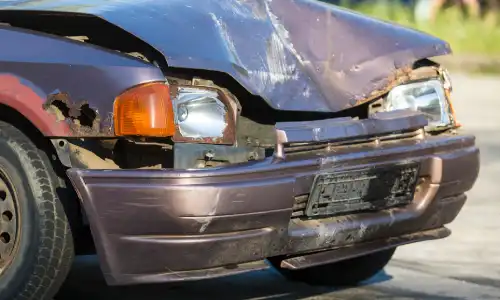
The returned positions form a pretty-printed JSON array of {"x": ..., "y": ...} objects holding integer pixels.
[{"x": 166, "y": 225}]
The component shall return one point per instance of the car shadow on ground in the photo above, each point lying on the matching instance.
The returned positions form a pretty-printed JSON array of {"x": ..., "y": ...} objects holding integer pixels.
[{"x": 86, "y": 282}]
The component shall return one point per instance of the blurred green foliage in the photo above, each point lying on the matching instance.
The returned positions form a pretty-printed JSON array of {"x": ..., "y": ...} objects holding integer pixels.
[{"x": 466, "y": 35}]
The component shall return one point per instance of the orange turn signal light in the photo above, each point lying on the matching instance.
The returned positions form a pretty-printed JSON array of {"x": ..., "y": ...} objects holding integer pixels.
[{"x": 145, "y": 110}]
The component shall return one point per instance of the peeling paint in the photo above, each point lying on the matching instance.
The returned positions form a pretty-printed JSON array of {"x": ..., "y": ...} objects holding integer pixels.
[
  {"x": 307, "y": 92},
  {"x": 283, "y": 34},
  {"x": 276, "y": 69},
  {"x": 81, "y": 118},
  {"x": 362, "y": 230},
  {"x": 392, "y": 216},
  {"x": 26, "y": 98},
  {"x": 237, "y": 8},
  {"x": 205, "y": 222},
  {"x": 226, "y": 39}
]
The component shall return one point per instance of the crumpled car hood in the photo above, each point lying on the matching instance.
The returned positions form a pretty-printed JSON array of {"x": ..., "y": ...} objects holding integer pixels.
[{"x": 300, "y": 55}]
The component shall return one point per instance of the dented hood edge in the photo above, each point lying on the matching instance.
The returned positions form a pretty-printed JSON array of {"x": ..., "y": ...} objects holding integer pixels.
[{"x": 298, "y": 55}]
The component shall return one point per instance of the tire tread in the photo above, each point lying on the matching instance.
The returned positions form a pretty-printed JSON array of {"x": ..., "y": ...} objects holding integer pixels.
[{"x": 56, "y": 251}]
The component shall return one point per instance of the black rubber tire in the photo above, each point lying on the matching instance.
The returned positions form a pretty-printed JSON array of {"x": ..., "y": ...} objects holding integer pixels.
[
  {"x": 45, "y": 246},
  {"x": 345, "y": 273}
]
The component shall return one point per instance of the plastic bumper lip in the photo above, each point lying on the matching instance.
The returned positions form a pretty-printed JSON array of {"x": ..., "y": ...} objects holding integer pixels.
[
  {"x": 339, "y": 254},
  {"x": 166, "y": 225}
]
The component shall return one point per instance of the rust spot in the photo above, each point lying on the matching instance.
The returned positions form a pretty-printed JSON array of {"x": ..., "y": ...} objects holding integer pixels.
[
  {"x": 20, "y": 95},
  {"x": 80, "y": 117},
  {"x": 90, "y": 159},
  {"x": 398, "y": 77}
]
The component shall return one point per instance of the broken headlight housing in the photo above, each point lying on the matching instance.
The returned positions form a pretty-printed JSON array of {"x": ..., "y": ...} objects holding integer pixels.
[
  {"x": 203, "y": 115},
  {"x": 428, "y": 97}
]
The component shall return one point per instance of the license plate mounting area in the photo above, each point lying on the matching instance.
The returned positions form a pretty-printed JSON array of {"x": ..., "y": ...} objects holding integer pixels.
[{"x": 367, "y": 189}]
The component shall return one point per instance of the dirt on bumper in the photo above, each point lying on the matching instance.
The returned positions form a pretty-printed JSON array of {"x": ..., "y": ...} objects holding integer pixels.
[{"x": 167, "y": 225}]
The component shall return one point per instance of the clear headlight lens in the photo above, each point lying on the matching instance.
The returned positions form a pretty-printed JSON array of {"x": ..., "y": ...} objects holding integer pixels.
[
  {"x": 201, "y": 115},
  {"x": 427, "y": 97}
]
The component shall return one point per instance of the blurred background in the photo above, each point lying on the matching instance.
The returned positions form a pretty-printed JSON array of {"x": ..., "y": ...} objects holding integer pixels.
[{"x": 472, "y": 27}]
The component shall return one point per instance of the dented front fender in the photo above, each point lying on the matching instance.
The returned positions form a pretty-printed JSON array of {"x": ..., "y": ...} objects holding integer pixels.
[{"x": 68, "y": 89}]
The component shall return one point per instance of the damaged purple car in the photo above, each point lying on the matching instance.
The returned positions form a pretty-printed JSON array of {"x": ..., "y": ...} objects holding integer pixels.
[{"x": 183, "y": 140}]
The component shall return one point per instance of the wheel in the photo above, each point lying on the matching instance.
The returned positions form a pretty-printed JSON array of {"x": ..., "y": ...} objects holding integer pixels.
[
  {"x": 36, "y": 245},
  {"x": 341, "y": 274}
]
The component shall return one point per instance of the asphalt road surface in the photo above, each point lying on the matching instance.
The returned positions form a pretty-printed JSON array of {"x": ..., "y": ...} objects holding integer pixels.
[{"x": 466, "y": 265}]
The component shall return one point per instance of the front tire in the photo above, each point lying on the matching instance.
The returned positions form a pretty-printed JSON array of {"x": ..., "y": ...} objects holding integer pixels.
[
  {"x": 36, "y": 245},
  {"x": 345, "y": 273}
]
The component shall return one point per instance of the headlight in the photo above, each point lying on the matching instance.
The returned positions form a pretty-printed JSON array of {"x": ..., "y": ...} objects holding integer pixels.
[
  {"x": 427, "y": 97},
  {"x": 203, "y": 115}
]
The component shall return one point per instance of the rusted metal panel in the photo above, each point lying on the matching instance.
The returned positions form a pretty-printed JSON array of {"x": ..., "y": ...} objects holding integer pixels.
[
  {"x": 82, "y": 81},
  {"x": 299, "y": 55}
]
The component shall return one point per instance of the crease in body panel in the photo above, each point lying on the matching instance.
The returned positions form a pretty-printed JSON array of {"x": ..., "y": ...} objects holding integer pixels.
[{"x": 205, "y": 222}]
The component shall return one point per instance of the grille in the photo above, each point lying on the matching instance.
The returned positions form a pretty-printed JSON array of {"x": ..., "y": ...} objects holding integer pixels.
[{"x": 300, "y": 148}]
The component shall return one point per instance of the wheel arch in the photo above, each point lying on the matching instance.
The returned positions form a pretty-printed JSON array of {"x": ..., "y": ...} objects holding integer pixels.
[
  {"x": 67, "y": 195},
  {"x": 21, "y": 96}
]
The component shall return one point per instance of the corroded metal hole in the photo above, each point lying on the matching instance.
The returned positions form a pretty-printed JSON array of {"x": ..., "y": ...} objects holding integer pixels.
[
  {"x": 5, "y": 238},
  {"x": 3, "y": 195},
  {"x": 7, "y": 216}
]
